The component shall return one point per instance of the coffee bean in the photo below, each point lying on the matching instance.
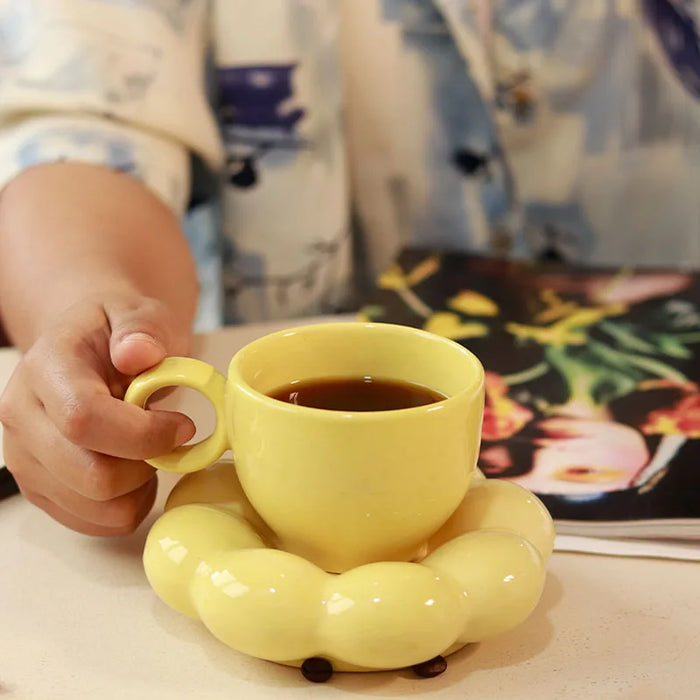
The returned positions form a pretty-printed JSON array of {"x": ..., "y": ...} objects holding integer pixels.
[
  {"x": 317, "y": 670},
  {"x": 430, "y": 669}
]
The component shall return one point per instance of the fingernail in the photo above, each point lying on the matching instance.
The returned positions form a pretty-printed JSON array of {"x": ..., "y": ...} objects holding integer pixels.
[
  {"x": 184, "y": 433},
  {"x": 139, "y": 337}
]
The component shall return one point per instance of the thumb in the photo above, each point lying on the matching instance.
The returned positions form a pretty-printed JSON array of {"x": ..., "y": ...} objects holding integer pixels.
[{"x": 142, "y": 335}]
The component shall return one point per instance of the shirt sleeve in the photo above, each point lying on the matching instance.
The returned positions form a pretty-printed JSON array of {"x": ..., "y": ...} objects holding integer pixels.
[{"x": 118, "y": 83}]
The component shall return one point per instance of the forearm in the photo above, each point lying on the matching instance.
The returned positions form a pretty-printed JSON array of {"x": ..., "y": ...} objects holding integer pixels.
[{"x": 69, "y": 231}]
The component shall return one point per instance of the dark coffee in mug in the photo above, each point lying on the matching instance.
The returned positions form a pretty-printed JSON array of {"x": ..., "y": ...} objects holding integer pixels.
[{"x": 356, "y": 394}]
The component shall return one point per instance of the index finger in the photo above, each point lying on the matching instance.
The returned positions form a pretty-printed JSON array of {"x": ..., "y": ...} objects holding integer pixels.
[{"x": 87, "y": 415}]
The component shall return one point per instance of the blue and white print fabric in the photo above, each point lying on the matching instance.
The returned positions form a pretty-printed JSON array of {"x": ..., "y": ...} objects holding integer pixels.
[
  {"x": 530, "y": 127},
  {"x": 284, "y": 200},
  {"x": 561, "y": 128},
  {"x": 101, "y": 81}
]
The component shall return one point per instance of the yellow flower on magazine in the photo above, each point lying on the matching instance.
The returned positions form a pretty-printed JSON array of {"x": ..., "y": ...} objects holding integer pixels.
[
  {"x": 556, "y": 307},
  {"x": 395, "y": 278},
  {"x": 570, "y": 330},
  {"x": 557, "y": 334},
  {"x": 473, "y": 303},
  {"x": 451, "y": 326}
]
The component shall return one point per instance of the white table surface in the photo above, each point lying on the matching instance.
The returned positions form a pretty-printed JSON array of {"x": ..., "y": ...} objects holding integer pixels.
[{"x": 78, "y": 620}]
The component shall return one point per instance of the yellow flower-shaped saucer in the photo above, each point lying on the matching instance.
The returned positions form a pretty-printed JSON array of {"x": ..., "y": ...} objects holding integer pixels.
[{"x": 210, "y": 556}]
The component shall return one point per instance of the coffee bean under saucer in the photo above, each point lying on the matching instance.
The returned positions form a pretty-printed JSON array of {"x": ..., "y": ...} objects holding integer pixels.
[
  {"x": 210, "y": 556},
  {"x": 319, "y": 670}
]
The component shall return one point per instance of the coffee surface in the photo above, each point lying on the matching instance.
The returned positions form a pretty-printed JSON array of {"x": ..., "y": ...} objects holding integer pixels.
[{"x": 356, "y": 394}]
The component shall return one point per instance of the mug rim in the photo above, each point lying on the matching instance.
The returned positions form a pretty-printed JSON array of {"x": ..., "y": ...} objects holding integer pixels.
[{"x": 470, "y": 391}]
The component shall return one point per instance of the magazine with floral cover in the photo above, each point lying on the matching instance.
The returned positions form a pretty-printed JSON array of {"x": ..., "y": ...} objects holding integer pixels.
[{"x": 592, "y": 381}]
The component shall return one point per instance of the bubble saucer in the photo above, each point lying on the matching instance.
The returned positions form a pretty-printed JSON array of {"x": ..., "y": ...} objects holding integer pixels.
[{"x": 211, "y": 557}]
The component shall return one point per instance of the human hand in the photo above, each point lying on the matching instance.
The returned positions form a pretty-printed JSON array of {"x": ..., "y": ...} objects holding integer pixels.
[{"x": 74, "y": 447}]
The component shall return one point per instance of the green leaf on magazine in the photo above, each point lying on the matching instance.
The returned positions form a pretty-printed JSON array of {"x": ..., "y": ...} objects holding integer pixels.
[
  {"x": 671, "y": 346},
  {"x": 624, "y": 335}
]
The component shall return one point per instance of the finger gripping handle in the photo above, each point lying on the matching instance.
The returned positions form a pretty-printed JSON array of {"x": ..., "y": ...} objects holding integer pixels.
[{"x": 197, "y": 375}]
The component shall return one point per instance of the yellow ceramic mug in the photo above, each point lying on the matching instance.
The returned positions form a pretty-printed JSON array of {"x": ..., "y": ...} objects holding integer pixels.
[{"x": 339, "y": 488}]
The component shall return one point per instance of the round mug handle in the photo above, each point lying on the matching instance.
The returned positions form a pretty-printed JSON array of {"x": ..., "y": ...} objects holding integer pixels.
[{"x": 198, "y": 375}]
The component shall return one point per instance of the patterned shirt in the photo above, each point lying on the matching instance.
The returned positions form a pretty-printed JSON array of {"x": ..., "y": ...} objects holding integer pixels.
[{"x": 282, "y": 130}]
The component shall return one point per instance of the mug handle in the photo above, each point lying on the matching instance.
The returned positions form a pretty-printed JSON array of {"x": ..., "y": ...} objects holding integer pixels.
[{"x": 197, "y": 375}]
